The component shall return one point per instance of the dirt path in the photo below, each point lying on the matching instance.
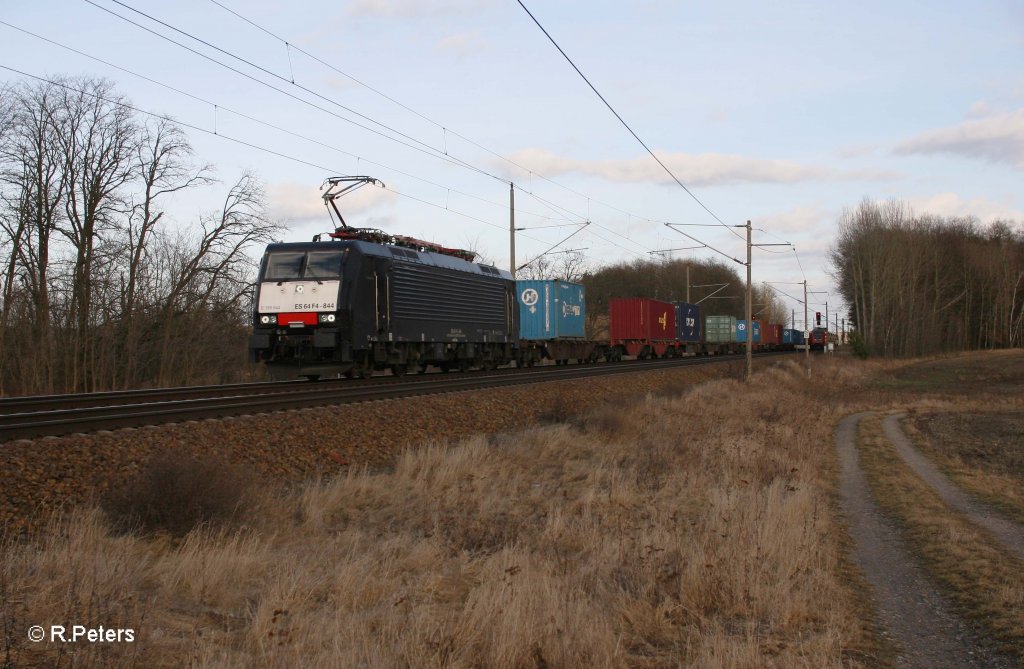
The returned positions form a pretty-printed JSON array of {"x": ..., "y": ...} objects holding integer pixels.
[
  {"x": 1009, "y": 533},
  {"x": 914, "y": 615}
]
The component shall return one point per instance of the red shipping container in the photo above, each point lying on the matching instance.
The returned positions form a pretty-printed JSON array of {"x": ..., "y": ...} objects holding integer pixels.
[
  {"x": 636, "y": 321},
  {"x": 771, "y": 334}
]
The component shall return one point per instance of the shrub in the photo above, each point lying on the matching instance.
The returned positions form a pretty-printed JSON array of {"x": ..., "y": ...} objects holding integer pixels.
[
  {"x": 557, "y": 412},
  {"x": 859, "y": 346},
  {"x": 175, "y": 492}
]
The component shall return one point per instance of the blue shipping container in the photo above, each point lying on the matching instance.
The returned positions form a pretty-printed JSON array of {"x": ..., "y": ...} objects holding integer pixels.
[
  {"x": 741, "y": 331},
  {"x": 551, "y": 310},
  {"x": 688, "y": 322},
  {"x": 795, "y": 337}
]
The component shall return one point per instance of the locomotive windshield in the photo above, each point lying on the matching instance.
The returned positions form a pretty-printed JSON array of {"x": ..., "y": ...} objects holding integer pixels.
[
  {"x": 323, "y": 265},
  {"x": 288, "y": 265}
]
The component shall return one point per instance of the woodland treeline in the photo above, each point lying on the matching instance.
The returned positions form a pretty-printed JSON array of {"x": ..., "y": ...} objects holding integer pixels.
[
  {"x": 920, "y": 285},
  {"x": 97, "y": 291},
  {"x": 721, "y": 285}
]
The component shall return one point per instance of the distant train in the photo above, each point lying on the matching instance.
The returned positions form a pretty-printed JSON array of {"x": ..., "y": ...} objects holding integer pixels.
[{"x": 363, "y": 301}]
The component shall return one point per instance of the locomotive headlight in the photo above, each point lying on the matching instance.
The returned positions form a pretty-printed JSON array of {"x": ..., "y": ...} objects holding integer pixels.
[
  {"x": 266, "y": 319},
  {"x": 326, "y": 318},
  {"x": 330, "y": 318}
]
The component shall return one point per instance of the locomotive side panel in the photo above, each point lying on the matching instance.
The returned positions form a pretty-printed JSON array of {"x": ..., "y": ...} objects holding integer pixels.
[{"x": 439, "y": 304}]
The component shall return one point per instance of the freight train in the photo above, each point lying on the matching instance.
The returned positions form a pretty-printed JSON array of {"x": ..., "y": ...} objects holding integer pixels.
[
  {"x": 363, "y": 300},
  {"x": 361, "y": 303}
]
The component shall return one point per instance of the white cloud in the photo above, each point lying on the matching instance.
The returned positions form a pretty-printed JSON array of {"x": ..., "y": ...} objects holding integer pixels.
[
  {"x": 704, "y": 169},
  {"x": 413, "y": 9},
  {"x": 981, "y": 109},
  {"x": 301, "y": 204},
  {"x": 951, "y": 204},
  {"x": 856, "y": 151},
  {"x": 799, "y": 219},
  {"x": 461, "y": 44},
  {"x": 998, "y": 139}
]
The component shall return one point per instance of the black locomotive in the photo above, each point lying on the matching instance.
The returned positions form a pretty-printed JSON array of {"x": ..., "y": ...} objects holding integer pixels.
[{"x": 350, "y": 306}]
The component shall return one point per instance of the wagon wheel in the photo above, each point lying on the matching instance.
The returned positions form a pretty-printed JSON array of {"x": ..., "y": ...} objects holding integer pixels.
[
  {"x": 422, "y": 368},
  {"x": 445, "y": 367},
  {"x": 312, "y": 377},
  {"x": 463, "y": 365},
  {"x": 398, "y": 370}
]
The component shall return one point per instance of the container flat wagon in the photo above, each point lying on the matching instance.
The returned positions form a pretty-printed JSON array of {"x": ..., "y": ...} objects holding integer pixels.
[
  {"x": 552, "y": 323},
  {"x": 643, "y": 328}
]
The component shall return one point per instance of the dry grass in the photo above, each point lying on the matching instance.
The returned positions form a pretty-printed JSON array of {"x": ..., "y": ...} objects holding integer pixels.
[
  {"x": 983, "y": 579},
  {"x": 692, "y": 530}
]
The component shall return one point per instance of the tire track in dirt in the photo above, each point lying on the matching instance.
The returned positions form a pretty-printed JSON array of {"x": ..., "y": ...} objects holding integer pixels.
[
  {"x": 1007, "y": 532},
  {"x": 913, "y": 613}
]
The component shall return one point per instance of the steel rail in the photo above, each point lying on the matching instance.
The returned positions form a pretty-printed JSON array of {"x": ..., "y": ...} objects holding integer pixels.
[
  {"x": 28, "y": 425},
  {"x": 38, "y": 403}
]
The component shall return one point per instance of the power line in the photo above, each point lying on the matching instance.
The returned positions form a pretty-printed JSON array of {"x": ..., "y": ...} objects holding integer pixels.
[
  {"x": 423, "y": 148},
  {"x": 267, "y": 124},
  {"x": 241, "y": 142},
  {"x": 623, "y": 122},
  {"x": 439, "y": 125},
  {"x": 427, "y": 148},
  {"x": 459, "y": 135}
]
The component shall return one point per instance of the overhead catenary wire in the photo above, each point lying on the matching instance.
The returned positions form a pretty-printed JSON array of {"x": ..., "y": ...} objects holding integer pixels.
[
  {"x": 241, "y": 142},
  {"x": 554, "y": 246},
  {"x": 446, "y": 130},
  {"x": 423, "y": 148},
  {"x": 221, "y": 108},
  {"x": 623, "y": 121}
]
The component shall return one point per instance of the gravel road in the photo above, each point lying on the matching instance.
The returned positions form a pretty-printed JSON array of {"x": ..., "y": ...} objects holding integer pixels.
[{"x": 914, "y": 614}]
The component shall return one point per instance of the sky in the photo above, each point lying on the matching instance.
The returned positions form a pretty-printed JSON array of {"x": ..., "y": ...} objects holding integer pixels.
[{"x": 785, "y": 114}]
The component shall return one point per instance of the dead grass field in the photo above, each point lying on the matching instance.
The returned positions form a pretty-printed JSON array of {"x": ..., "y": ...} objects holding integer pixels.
[{"x": 693, "y": 529}]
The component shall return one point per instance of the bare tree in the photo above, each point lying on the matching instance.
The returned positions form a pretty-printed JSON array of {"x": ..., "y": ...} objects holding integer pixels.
[
  {"x": 214, "y": 270},
  {"x": 34, "y": 179},
  {"x": 94, "y": 292},
  {"x": 162, "y": 161},
  {"x": 99, "y": 140},
  {"x": 566, "y": 266}
]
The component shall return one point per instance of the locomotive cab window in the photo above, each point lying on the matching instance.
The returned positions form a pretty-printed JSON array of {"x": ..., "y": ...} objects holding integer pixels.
[
  {"x": 290, "y": 265},
  {"x": 323, "y": 265},
  {"x": 284, "y": 265}
]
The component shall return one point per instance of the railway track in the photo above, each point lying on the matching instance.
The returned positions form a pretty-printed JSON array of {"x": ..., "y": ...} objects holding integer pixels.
[{"x": 33, "y": 417}]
